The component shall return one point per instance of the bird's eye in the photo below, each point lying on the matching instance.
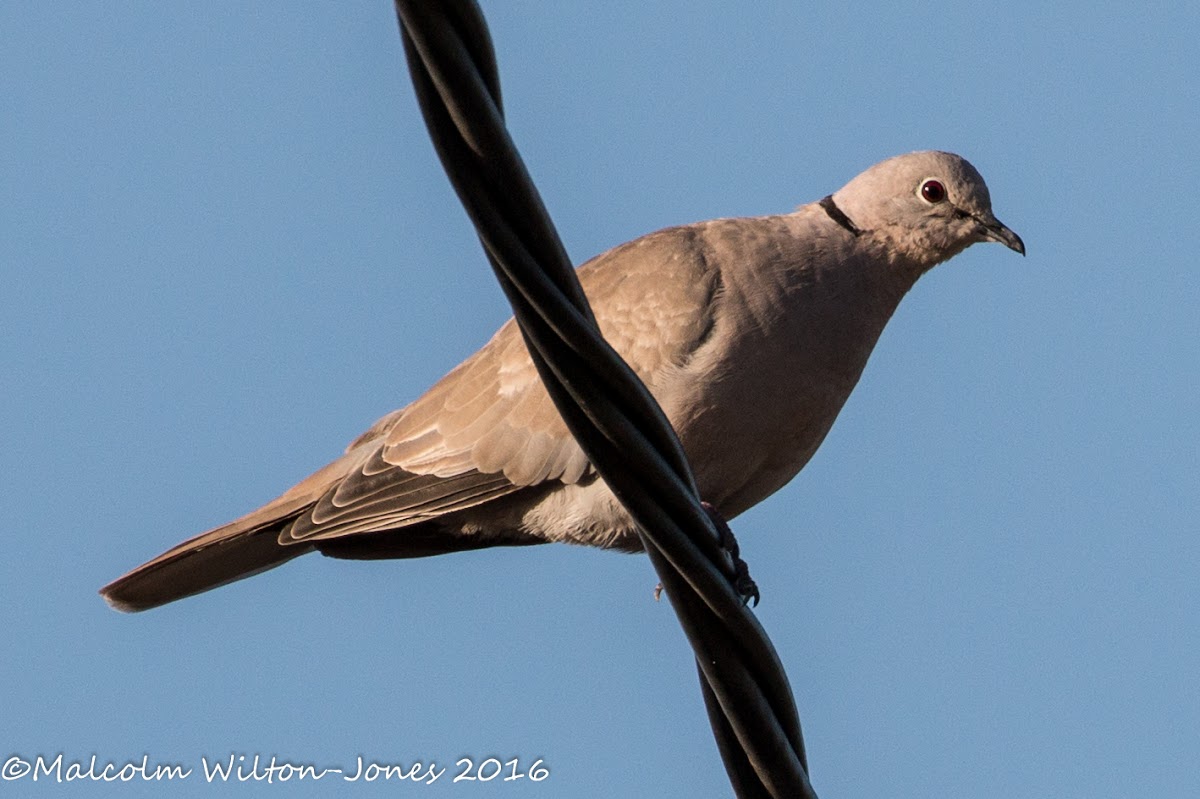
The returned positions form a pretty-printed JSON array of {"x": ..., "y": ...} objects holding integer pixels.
[{"x": 933, "y": 191}]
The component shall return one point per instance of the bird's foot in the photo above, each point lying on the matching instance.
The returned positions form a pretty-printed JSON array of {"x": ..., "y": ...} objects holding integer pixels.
[{"x": 743, "y": 583}]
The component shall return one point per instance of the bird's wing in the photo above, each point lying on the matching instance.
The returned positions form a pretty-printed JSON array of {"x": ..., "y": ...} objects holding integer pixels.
[
  {"x": 485, "y": 430},
  {"x": 489, "y": 428}
]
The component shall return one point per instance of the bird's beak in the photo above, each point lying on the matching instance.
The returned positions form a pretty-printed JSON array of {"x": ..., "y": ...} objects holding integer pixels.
[{"x": 994, "y": 230}]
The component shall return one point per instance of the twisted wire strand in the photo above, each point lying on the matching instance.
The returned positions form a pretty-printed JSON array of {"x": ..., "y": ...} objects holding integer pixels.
[{"x": 616, "y": 421}]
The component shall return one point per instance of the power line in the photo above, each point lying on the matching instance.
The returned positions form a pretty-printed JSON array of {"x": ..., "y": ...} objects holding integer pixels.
[{"x": 620, "y": 427}]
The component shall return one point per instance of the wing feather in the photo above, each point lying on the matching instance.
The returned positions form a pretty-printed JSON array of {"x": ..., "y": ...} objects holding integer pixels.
[{"x": 484, "y": 431}]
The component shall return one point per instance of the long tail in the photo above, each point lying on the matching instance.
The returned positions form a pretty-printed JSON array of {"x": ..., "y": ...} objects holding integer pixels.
[
  {"x": 242, "y": 548},
  {"x": 254, "y": 543},
  {"x": 209, "y": 560}
]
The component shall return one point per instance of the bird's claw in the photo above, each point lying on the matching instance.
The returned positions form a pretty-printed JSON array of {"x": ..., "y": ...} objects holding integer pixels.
[{"x": 743, "y": 583}]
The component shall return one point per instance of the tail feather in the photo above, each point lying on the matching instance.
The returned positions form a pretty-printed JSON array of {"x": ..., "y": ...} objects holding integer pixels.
[
  {"x": 207, "y": 561},
  {"x": 241, "y": 548}
]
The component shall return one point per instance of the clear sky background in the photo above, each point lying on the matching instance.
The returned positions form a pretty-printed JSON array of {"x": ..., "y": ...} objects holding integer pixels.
[{"x": 226, "y": 247}]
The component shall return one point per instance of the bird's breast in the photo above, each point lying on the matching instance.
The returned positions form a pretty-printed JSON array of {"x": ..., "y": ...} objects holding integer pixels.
[{"x": 759, "y": 400}]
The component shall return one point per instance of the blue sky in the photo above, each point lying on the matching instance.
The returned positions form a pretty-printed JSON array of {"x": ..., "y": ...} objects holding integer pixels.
[{"x": 227, "y": 248}]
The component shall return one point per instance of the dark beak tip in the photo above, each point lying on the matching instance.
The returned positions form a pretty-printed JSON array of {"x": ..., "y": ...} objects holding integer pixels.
[{"x": 1001, "y": 233}]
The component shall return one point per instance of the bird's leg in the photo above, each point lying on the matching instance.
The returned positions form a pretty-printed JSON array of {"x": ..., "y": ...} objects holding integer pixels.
[{"x": 743, "y": 583}]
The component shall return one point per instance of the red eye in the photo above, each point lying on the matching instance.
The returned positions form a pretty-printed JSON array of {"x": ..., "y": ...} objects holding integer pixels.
[{"x": 933, "y": 191}]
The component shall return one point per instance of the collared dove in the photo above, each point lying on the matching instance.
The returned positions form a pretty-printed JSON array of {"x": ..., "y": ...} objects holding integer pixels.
[{"x": 749, "y": 332}]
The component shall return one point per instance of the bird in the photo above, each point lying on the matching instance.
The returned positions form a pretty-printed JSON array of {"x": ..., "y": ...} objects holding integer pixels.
[{"x": 750, "y": 332}]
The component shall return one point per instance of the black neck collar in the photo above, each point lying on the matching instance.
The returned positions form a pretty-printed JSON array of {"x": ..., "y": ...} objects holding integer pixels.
[{"x": 837, "y": 215}]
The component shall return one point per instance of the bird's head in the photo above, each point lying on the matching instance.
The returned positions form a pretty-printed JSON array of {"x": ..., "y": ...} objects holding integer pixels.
[{"x": 924, "y": 207}]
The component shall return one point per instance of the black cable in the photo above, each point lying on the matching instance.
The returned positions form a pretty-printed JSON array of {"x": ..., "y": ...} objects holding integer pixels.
[{"x": 620, "y": 427}]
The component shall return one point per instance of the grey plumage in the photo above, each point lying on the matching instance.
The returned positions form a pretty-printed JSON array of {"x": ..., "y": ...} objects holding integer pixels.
[{"x": 750, "y": 333}]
